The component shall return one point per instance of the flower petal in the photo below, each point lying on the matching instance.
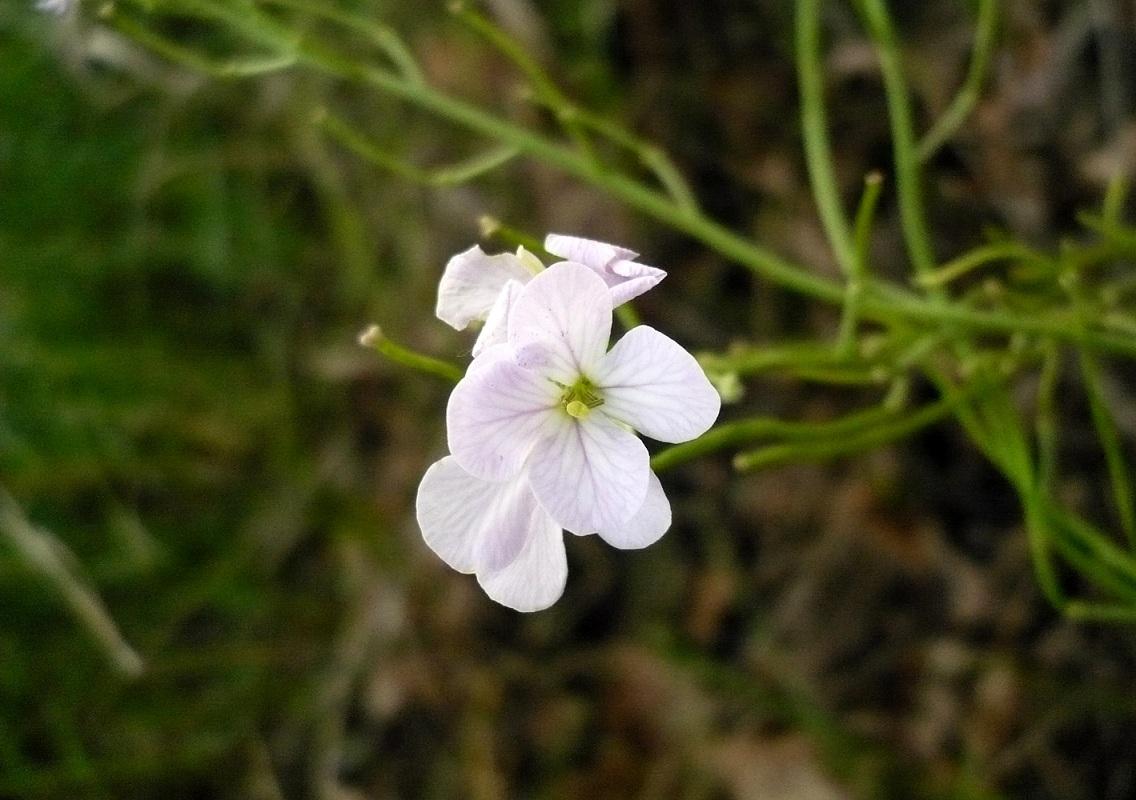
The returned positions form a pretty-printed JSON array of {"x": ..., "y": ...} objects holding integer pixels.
[
  {"x": 616, "y": 265},
  {"x": 566, "y": 311},
  {"x": 536, "y": 578},
  {"x": 451, "y": 507},
  {"x": 506, "y": 525},
  {"x": 471, "y": 282},
  {"x": 650, "y": 383},
  {"x": 495, "y": 415},
  {"x": 490, "y": 355},
  {"x": 592, "y": 254},
  {"x": 496, "y": 328},
  {"x": 628, "y": 279},
  {"x": 591, "y": 474},
  {"x": 648, "y": 525}
]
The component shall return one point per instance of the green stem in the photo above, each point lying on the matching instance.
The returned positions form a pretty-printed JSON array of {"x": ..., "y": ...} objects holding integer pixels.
[
  {"x": 857, "y": 280},
  {"x": 546, "y": 90},
  {"x": 493, "y": 228},
  {"x": 814, "y": 131},
  {"x": 825, "y": 450},
  {"x": 980, "y": 256},
  {"x": 814, "y": 433},
  {"x": 380, "y": 36},
  {"x": 907, "y": 170},
  {"x": 1094, "y": 555},
  {"x": 374, "y": 339},
  {"x": 883, "y": 303},
  {"x": 967, "y": 97},
  {"x": 1109, "y": 436}
]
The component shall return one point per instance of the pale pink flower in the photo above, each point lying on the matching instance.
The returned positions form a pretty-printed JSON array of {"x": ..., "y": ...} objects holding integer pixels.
[
  {"x": 541, "y": 427},
  {"x": 555, "y": 404}
]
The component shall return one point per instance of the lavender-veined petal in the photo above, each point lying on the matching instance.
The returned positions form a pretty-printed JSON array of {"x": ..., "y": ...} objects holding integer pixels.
[
  {"x": 591, "y": 474},
  {"x": 650, "y": 383}
]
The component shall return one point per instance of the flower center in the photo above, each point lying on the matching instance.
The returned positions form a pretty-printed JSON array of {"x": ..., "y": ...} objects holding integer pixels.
[{"x": 580, "y": 398}]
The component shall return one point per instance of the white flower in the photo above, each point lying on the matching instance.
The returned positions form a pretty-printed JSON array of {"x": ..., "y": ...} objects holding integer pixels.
[
  {"x": 480, "y": 287},
  {"x": 541, "y": 426},
  {"x": 555, "y": 405}
]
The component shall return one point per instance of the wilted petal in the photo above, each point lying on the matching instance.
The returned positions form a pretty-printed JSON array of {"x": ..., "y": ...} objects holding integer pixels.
[
  {"x": 629, "y": 279},
  {"x": 451, "y": 507},
  {"x": 471, "y": 283},
  {"x": 590, "y": 475},
  {"x": 536, "y": 578},
  {"x": 650, "y": 383},
  {"x": 592, "y": 254},
  {"x": 496, "y": 328},
  {"x": 648, "y": 525},
  {"x": 495, "y": 415},
  {"x": 566, "y": 311},
  {"x": 616, "y": 265}
]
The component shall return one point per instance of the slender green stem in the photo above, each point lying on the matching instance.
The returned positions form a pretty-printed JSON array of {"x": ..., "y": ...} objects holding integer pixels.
[
  {"x": 450, "y": 175},
  {"x": 804, "y": 360},
  {"x": 865, "y": 217},
  {"x": 649, "y": 155},
  {"x": 980, "y": 256},
  {"x": 228, "y": 69},
  {"x": 982, "y": 428},
  {"x": 735, "y": 433},
  {"x": 823, "y": 450},
  {"x": 266, "y": 32},
  {"x": 573, "y": 118},
  {"x": 967, "y": 97},
  {"x": 547, "y": 92},
  {"x": 857, "y": 280},
  {"x": 814, "y": 131},
  {"x": 907, "y": 169},
  {"x": 1040, "y": 536},
  {"x": 381, "y": 36},
  {"x": 493, "y": 228},
  {"x": 1093, "y": 554},
  {"x": 1045, "y": 422},
  {"x": 877, "y": 359},
  {"x": 374, "y": 339},
  {"x": 856, "y": 431},
  {"x": 342, "y": 133},
  {"x": 1109, "y": 436},
  {"x": 1102, "y": 417}
]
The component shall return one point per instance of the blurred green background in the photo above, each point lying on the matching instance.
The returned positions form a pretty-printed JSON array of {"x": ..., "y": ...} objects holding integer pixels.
[{"x": 189, "y": 427}]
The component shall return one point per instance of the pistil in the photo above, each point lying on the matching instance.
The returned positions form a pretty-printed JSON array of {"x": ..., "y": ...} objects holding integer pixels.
[{"x": 580, "y": 399}]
